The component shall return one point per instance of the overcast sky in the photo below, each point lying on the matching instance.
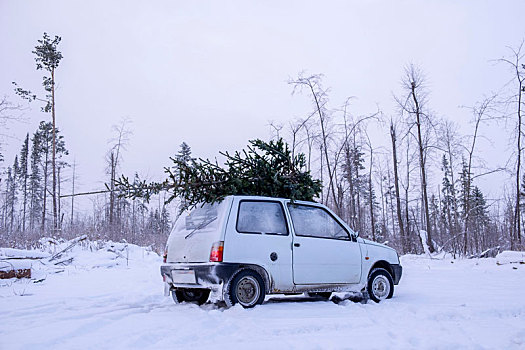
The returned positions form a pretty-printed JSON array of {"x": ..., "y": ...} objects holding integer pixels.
[{"x": 213, "y": 73}]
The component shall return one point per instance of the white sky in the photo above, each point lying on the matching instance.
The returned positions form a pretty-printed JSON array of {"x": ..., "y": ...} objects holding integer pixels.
[{"x": 213, "y": 73}]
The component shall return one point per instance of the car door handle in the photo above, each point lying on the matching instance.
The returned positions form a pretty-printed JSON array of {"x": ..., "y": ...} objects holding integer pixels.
[{"x": 297, "y": 244}]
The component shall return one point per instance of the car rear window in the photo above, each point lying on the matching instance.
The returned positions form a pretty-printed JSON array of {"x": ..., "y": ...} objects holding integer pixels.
[{"x": 203, "y": 218}]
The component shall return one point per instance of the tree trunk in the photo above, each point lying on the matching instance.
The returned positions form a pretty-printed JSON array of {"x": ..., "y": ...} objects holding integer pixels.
[
  {"x": 112, "y": 187},
  {"x": 59, "y": 209},
  {"x": 517, "y": 221},
  {"x": 423, "y": 172},
  {"x": 53, "y": 160},
  {"x": 325, "y": 145},
  {"x": 407, "y": 215},
  {"x": 73, "y": 195},
  {"x": 44, "y": 199},
  {"x": 396, "y": 186}
]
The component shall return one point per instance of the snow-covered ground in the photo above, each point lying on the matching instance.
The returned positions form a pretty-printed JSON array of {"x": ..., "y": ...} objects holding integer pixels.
[{"x": 104, "y": 301}]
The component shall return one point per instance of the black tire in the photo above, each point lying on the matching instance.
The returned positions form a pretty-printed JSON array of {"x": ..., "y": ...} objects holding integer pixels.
[
  {"x": 380, "y": 285},
  {"x": 322, "y": 295},
  {"x": 196, "y": 296},
  {"x": 247, "y": 288}
]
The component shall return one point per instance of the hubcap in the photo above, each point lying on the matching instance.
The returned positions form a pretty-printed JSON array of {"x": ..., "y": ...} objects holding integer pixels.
[
  {"x": 248, "y": 291},
  {"x": 380, "y": 287}
]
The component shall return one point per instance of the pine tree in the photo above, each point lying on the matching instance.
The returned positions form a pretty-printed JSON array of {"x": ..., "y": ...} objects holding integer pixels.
[
  {"x": 164, "y": 221},
  {"x": 480, "y": 218},
  {"x": 13, "y": 192},
  {"x": 45, "y": 137},
  {"x": 23, "y": 178},
  {"x": 35, "y": 181},
  {"x": 371, "y": 199},
  {"x": 184, "y": 155},
  {"x": 357, "y": 183},
  {"x": 47, "y": 58},
  {"x": 448, "y": 200},
  {"x": 10, "y": 198},
  {"x": 435, "y": 215},
  {"x": 464, "y": 202}
]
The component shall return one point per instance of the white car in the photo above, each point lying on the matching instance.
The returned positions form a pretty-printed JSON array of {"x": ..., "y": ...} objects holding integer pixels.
[{"x": 246, "y": 247}]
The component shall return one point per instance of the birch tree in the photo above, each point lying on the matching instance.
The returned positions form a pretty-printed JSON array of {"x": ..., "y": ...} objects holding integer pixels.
[{"x": 414, "y": 104}]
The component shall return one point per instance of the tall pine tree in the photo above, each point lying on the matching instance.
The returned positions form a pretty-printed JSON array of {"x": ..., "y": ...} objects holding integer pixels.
[
  {"x": 47, "y": 58},
  {"x": 23, "y": 178}
]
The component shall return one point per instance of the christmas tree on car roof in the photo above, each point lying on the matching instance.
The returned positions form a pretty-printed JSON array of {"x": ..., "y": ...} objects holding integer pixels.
[{"x": 262, "y": 169}]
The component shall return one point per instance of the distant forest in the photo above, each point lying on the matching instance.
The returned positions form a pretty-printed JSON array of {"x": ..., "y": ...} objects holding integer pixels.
[{"x": 384, "y": 193}]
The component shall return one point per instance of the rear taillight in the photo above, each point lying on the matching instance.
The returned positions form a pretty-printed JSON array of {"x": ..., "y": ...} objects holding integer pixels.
[
  {"x": 216, "y": 251},
  {"x": 165, "y": 256}
]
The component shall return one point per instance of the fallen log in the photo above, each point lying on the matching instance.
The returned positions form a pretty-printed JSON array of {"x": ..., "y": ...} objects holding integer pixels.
[
  {"x": 19, "y": 273},
  {"x": 18, "y": 269}
]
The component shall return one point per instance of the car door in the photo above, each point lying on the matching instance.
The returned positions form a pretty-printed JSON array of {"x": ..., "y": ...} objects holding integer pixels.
[
  {"x": 323, "y": 249},
  {"x": 259, "y": 234}
]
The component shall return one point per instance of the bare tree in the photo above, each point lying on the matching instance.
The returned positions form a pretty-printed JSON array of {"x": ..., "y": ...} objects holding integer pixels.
[
  {"x": 7, "y": 115},
  {"x": 517, "y": 101},
  {"x": 450, "y": 142},
  {"x": 118, "y": 144},
  {"x": 352, "y": 158},
  {"x": 414, "y": 104},
  {"x": 393, "y": 137},
  {"x": 482, "y": 113},
  {"x": 320, "y": 99},
  {"x": 73, "y": 178},
  {"x": 371, "y": 188}
]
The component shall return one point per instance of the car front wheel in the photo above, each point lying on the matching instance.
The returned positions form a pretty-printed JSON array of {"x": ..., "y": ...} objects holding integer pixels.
[{"x": 380, "y": 285}]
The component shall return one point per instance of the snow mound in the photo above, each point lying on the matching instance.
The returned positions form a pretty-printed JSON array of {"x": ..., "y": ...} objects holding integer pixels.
[
  {"x": 21, "y": 253},
  {"x": 61, "y": 256},
  {"x": 7, "y": 265},
  {"x": 510, "y": 257}
]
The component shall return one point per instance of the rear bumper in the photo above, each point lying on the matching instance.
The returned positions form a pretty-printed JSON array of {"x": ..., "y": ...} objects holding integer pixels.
[
  {"x": 207, "y": 275},
  {"x": 398, "y": 271}
]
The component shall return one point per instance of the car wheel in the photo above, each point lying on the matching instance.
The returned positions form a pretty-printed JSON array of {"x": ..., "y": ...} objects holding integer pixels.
[
  {"x": 197, "y": 296},
  {"x": 323, "y": 295},
  {"x": 247, "y": 289},
  {"x": 380, "y": 285}
]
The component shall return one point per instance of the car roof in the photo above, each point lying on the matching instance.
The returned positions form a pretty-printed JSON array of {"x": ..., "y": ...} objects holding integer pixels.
[{"x": 273, "y": 198}]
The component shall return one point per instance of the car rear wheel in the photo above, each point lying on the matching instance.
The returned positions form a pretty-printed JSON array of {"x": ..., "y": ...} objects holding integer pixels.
[
  {"x": 247, "y": 289},
  {"x": 380, "y": 285},
  {"x": 197, "y": 296}
]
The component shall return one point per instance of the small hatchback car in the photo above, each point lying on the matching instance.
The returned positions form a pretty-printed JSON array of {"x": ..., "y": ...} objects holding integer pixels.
[{"x": 243, "y": 248}]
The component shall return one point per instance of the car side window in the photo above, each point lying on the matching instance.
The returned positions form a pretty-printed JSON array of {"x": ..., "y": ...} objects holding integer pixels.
[
  {"x": 313, "y": 221},
  {"x": 261, "y": 217}
]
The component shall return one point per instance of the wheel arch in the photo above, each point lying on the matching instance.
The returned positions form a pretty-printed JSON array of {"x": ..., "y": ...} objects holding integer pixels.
[
  {"x": 259, "y": 269},
  {"x": 382, "y": 264}
]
